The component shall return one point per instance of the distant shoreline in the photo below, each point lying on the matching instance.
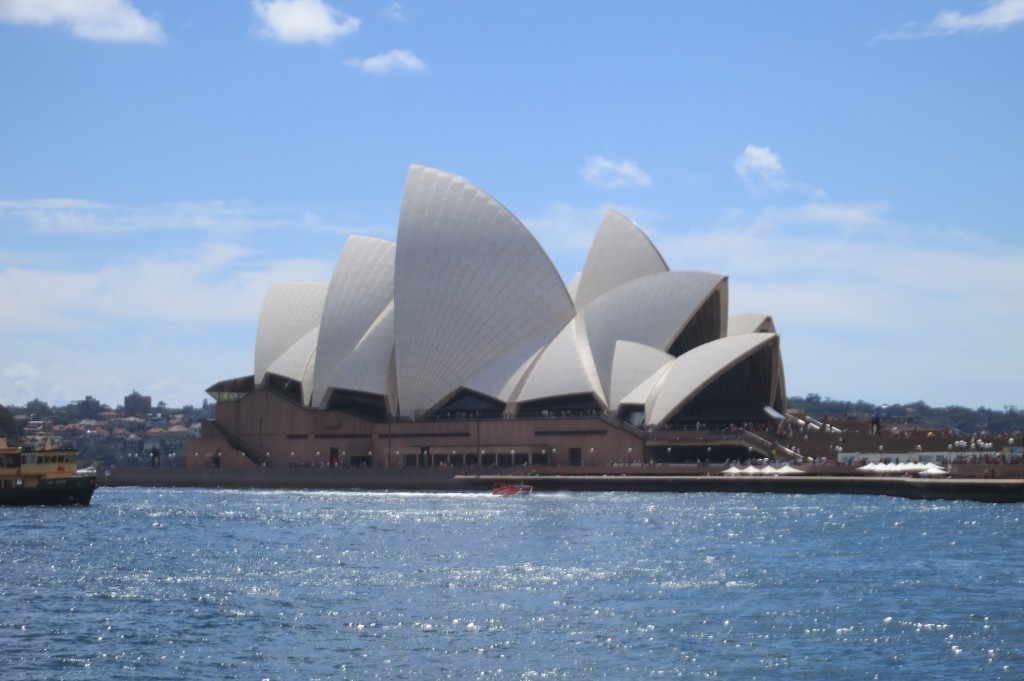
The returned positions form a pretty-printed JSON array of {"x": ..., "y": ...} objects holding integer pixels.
[{"x": 1009, "y": 490}]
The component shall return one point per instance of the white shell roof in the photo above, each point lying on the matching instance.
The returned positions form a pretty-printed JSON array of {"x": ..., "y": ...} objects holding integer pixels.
[
  {"x": 640, "y": 394},
  {"x": 290, "y": 311},
  {"x": 750, "y": 322},
  {"x": 620, "y": 252},
  {"x": 564, "y": 368},
  {"x": 633, "y": 364},
  {"x": 466, "y": 298},
  {"x": 296, "y": 362},
  {"x": 471, "y": 283},
  {"x": 361, "y": 288},
  {"x": 366, "y": 368},
  {"x": 499, "y": 379},
  {"x": 573, "y": 286},
  {"x": 651, "y": 310},
  {"x": 692, "y": 372}
]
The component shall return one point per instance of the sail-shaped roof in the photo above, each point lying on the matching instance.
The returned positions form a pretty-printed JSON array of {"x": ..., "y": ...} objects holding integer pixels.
[
  {"x": 290, "y": 310},
  {"x": 564, "y": 367},
  {"x": 466, "y": 301},
  {"x": 694, "y": 371},
  {"x": 361, "y": 289},
  {"x": 620, "y": 252},
  {"x": 652, "y": 310},
  {"x": 471, "y": 282}
]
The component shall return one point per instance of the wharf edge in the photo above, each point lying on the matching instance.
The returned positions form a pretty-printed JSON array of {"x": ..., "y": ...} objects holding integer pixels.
[{"x": 1007, "y": 490}]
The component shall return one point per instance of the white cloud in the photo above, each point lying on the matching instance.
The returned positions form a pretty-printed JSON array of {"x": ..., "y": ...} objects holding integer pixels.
[
  {"x": 391, "y": 62},
  {"x": 302, "y": 21},
  {"x": 607, "y": 174},
  {"x": 99, "y": 20},
  {"x": 866, "y": 309},
  {"x": 761, "y": 168},
  {"x": 998, "y": 15},
  {"x": 395, "y": 12},
  {"x": 75, "y": 216}
]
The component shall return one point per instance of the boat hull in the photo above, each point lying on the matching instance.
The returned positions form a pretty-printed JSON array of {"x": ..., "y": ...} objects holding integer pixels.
[
  {"x": 511, "y": 489},
  {"x": 70, "y": 491}
]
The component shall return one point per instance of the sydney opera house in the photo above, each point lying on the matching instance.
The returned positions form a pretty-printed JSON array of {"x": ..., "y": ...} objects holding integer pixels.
[{"x": 460, "y": 345}]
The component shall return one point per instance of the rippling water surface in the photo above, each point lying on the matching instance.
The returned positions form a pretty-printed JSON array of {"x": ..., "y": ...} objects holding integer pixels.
[{"x": 217, "y": 584}]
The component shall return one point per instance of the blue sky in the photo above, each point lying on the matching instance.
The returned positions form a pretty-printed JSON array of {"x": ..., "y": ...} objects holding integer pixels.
[{"x": 855, "y": 168}]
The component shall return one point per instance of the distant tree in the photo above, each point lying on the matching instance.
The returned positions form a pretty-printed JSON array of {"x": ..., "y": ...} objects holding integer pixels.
[
  {"x": 38, "y": 409},
  {"x": 9, "y": 427},
  {"x": 963, "y": 419}
]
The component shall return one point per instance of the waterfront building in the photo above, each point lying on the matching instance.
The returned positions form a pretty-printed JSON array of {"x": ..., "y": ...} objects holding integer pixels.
[{"x": 459, "y": 344}]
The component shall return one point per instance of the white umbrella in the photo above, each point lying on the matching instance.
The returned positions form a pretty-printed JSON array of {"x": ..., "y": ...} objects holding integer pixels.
[
  {"x": 789, "y": 470},
  {"x": 732, "y": 470}
]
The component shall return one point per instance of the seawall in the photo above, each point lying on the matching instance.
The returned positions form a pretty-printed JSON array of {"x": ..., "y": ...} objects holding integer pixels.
[{"x": 440, "y": 479}]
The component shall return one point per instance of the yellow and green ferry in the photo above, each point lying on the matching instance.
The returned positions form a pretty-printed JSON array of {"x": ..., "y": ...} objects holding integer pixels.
[{"x": 47, "y": 477}]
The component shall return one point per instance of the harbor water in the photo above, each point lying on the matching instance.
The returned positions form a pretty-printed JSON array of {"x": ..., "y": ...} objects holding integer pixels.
[{"x": 152, "y": 583}]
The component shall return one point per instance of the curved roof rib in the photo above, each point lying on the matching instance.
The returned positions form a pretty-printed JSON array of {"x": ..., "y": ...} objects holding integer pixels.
[
  {"x": 290, "y": 310},
  {"x": 750, "y": 322},
  {"x": 699, "y": 368},
  {"x": 620, "y": 252},
  {"x": 361, "y": 288},
  {"x": 653, "y": 310},
  {"x": 471, "y": 283}
]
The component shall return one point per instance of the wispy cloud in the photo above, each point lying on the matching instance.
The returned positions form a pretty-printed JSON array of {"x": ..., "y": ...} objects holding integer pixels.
[
  {"x": 761, "y": 168},
  {"x": 77, "y": 216},
  {"x": 608, "y": 174},
  {"x": 395, "y": 12},
  {"x": 302, "y": 21},
  {"x": 395, "y": 61},
  {"x": 99, "y": 20},
  {"x": 851, "y": 288},
  {"x": 134, "y": 285},
  {"x": 998, "y": 15}
]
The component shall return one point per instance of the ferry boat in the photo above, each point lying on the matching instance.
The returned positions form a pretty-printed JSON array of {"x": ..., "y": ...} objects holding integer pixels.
[
  {"x": 48, "y": 477},
  {"x": 508, "y": 489}
]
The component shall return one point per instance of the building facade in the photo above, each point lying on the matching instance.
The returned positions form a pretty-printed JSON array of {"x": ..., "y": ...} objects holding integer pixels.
[{"x": 460, "y": 345}]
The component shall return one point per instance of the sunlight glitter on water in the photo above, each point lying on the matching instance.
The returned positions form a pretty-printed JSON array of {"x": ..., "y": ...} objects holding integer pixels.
[{"x": 224, "y": 584}]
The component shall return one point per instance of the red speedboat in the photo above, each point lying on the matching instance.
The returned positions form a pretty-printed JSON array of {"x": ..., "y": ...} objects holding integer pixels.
[{"x": 508, "y": 489}]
